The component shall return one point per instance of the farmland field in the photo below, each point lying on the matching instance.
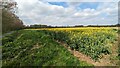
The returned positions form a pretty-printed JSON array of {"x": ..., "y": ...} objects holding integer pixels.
[{"x": 44, "y": 47}]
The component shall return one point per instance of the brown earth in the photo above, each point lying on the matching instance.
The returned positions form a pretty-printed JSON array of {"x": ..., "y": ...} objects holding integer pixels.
[{"x": 105, "y": 61}]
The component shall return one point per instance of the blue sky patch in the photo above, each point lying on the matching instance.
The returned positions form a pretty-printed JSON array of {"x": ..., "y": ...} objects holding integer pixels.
[
  {"x": 91, "y": 5},
  {"x": 59, "y": 4}
]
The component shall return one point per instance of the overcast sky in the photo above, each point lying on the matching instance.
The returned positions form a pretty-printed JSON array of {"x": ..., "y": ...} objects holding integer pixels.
[{"x": 67, "y": 13}]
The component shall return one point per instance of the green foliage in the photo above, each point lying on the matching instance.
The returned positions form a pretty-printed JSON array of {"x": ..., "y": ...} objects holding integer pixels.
[
  {"x": 119, "y": 45},
  {"x": 39, "y": 47},
  {"x": 36, "y": 48},
  {"x": 92, "y": 42}
]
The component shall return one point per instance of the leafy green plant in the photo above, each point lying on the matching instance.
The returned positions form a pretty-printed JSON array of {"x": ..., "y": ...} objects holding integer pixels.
[
  {"x": 37, "y": 48},
  {"x": 91, "y": 42}
]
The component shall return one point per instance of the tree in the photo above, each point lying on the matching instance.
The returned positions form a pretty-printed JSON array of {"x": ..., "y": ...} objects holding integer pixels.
[
  {"x": 10, "y": 21},
  {"x": 9, "y": 5}
]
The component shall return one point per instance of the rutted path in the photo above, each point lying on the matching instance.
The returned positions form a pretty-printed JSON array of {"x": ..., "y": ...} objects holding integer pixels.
[{"x": 103, "y": 62}]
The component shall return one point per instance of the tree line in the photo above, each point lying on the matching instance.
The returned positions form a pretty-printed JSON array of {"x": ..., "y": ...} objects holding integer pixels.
[{"x": 46, "y": 26}]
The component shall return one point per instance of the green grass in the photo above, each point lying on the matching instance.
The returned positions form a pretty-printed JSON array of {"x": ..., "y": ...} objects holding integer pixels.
[
  {"x": 36, "y": 48},
  {"x": 39, "y": 47}
]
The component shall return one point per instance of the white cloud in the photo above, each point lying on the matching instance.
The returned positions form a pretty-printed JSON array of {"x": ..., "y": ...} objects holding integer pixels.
[
  {"x": 81, "y": 0},
  {"x": 39, "y": 12},
  {"x": 87, "y": 13}
]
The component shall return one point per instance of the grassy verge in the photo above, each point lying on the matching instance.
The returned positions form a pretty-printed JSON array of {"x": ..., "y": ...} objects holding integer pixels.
[{"x": 35, "y": 48}]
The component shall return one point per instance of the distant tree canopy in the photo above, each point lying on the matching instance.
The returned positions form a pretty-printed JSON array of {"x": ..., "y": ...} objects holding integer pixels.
[
  {"x": 117, "y": 25},
  {"x": 35, "y": 26},
  {"x": 10, "y": 21},
  {"x": 45, "y": 26}
]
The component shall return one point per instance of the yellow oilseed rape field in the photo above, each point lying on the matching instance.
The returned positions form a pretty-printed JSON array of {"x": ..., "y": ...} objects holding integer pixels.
[
  {"x": 91, "y": 41},
  {"x": 46, "y": 44}
]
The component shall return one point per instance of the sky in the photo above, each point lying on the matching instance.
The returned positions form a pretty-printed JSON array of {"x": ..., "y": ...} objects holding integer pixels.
[{"x": 67, "y": 13}]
